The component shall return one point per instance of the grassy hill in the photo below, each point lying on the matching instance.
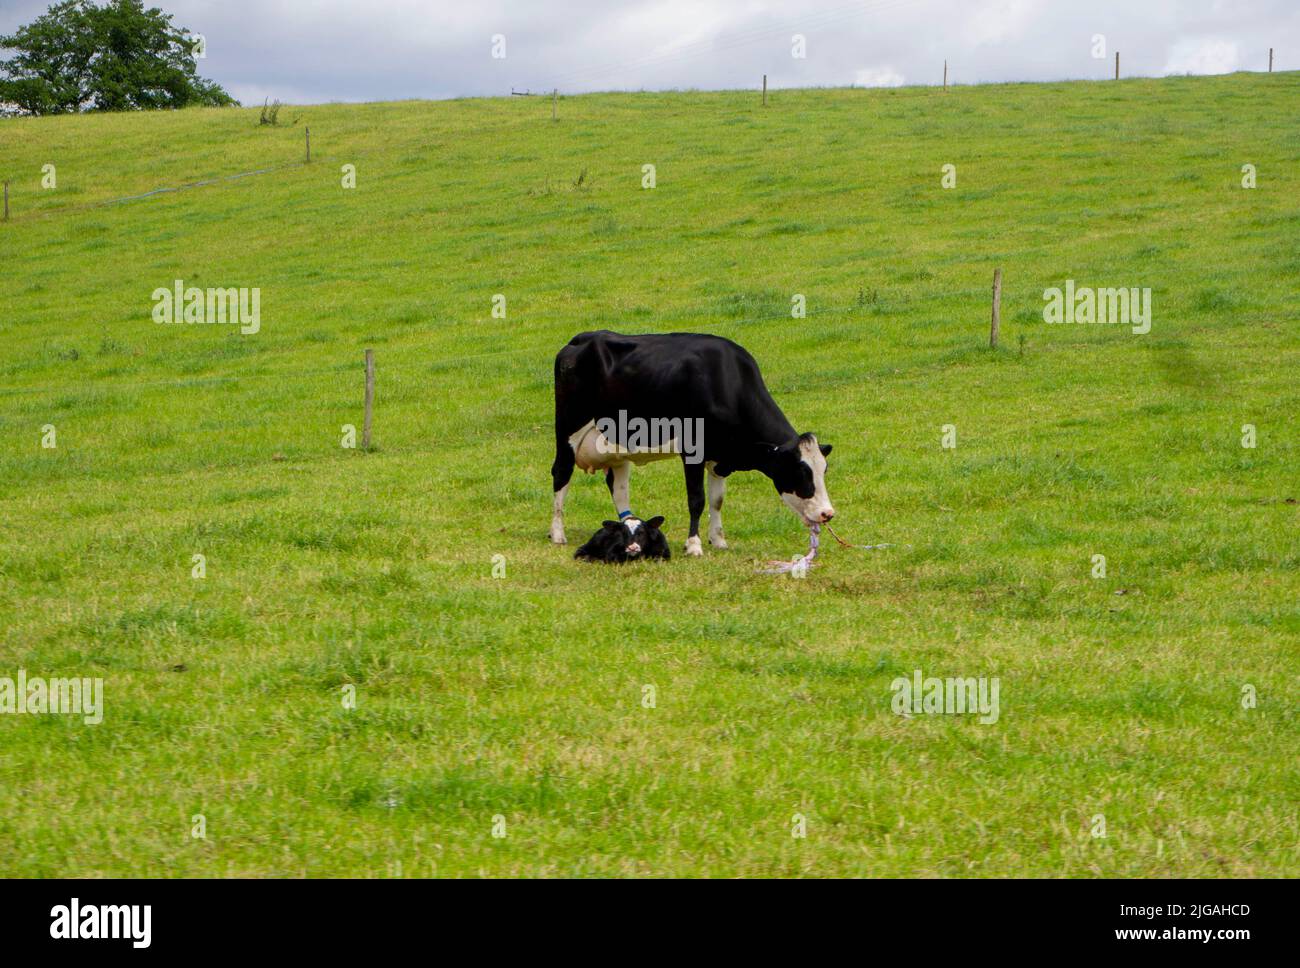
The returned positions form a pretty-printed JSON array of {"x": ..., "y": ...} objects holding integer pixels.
[{"x": 521, "y": 697}]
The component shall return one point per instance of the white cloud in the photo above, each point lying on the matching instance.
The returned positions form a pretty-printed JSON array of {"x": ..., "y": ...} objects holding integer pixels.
[
  {"x": 1203, "y": 56},
  {"x": 340, "y": 50},
  {"x": 997, "y": 21},
  {"x": 878, "y": 77}
]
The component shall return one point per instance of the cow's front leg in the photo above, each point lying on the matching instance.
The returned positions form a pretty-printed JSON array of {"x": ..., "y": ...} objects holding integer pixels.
[
  {"x": 717, "y": 488},
  {"x": 695, "y": 504}
]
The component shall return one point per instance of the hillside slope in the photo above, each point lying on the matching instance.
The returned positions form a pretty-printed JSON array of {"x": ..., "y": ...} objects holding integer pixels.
[{"x": 523, "y": 697}]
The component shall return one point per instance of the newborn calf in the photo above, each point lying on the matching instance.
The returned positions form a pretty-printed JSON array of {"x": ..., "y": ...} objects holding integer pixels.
[{"x": 626, "y": 540}]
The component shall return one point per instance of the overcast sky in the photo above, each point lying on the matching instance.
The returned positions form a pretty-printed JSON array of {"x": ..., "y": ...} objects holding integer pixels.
[{"x": 309, "y": 51}]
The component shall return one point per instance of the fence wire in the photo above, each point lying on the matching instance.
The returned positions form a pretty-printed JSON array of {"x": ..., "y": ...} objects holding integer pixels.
[{"x": 848, "y": 312}]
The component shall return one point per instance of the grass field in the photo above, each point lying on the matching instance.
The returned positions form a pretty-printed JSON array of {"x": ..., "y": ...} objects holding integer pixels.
[{"x": 520, "y": 697}]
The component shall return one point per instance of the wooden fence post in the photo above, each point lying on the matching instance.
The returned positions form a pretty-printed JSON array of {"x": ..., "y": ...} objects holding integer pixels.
[
  {"x": 764, "y": 90},
  {"x": 308, "y": 145},
  {"x": 1270, "y": 60},
  {"x": 370, "y": 399},
  {"x": 1117, "y": 65},
  {"x": 945, "y": 77},
  {"x": 997, "y": 309}
]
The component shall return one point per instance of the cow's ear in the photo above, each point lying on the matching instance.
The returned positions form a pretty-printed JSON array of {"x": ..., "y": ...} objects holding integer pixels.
[
  {"x": 610, "y": 525},
  {"x": 656, "y": 522},
  {"x": 826, "y": 449}
]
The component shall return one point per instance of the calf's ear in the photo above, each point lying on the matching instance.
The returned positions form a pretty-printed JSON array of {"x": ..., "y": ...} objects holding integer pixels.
[
  {"x": 826, "y": 449},
  {"x": 610, "y": 525},
  {"x": 656, "y": 522}
]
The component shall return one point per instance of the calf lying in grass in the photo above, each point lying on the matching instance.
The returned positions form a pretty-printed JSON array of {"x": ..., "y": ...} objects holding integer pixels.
[{"x": 626, "y": 540}]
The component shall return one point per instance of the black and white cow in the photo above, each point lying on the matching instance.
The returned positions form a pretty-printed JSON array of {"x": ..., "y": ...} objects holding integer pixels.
[{"x": 605, "y": 380}]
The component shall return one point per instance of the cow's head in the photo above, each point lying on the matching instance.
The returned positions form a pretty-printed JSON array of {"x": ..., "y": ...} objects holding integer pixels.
[{"x": 798, "y": 469}]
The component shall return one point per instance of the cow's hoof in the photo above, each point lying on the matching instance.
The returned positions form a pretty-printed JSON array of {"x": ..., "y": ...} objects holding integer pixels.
[
  {"x": 693, "y": 547},
  {"x": 718, "y": 541}
]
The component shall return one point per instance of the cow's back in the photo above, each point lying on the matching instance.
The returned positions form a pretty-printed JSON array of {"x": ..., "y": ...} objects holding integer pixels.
[{"x": 654, "y": 361}]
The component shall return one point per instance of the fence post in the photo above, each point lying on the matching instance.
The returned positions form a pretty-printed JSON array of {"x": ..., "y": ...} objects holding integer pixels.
[
  {"x": 308, "y": 145},
  {"x": 997, "y": 309},
  {"x": 1270, "y": 60},
  {"x": 945, "y": 77},
  {"x": 1117, "y": 65},
  {"x": 370, "y": 399},
  {"x": 764, "y": 90}
]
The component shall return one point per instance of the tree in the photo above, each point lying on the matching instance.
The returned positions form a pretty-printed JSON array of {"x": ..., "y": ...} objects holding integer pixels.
[{"x": 80, "y": 56}]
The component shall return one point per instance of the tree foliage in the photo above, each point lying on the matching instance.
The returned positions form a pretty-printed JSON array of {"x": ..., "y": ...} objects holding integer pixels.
[{"x": 120, "y": 56}]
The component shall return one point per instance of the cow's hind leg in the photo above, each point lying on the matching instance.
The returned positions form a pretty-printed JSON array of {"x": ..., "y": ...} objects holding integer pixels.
[
  {"x": 619, "y": 479},
  {"x": 694, "y": 504},
  {"x": 561, "y": 473},
  {"x": 717, "y": 488}
]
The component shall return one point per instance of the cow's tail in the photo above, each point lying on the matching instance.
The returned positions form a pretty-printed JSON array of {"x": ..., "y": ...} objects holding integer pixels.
[{"x": 566, "y": 400}]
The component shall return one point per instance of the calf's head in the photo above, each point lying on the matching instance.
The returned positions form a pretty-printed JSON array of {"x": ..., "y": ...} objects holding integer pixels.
[{"x": 798, "y": 470}]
